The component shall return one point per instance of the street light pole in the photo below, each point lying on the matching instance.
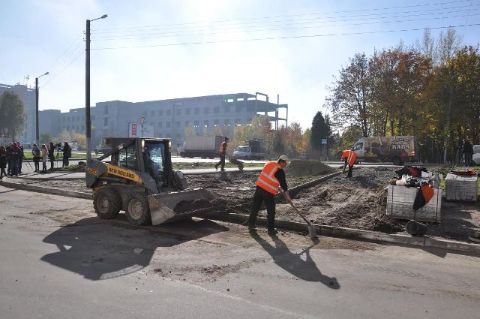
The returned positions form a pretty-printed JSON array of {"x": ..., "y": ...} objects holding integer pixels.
[
  {"x": 88, "y": 123},
  {"x": 37, "y": 129}
]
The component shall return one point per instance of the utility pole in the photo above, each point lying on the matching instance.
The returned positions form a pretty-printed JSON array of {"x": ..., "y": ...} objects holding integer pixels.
[
  {"x": 88, "y": 122},
  {"x": 37, "y": 129}
]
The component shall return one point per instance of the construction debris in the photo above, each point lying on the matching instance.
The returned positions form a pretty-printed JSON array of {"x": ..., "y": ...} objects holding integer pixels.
[{"x": 461, "y": 188}]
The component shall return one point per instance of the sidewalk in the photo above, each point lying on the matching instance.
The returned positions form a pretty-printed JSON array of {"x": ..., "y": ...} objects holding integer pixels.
[{"x": 64, "y": 175}]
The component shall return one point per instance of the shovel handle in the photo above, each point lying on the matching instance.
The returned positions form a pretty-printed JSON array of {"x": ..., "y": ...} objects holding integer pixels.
[{"x": 293, "y": 206}]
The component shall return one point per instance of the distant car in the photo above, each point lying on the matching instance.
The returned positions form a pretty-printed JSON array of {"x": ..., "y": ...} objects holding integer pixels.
[
  {"x": 102, "y": 150},
  {"x": 245, "y": 152}
]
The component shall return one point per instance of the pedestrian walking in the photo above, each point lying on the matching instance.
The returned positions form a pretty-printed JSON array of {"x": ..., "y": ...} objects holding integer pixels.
[
  {"x": 21, "y": 156},
  {"x": 467, "y": 152},
  {"x": 44, "y": 158},
  {"x": 3, "y": 161},
  {"x": 268, "y": 185},
  {"x": 67, "y": 153},
  {"x": 13, "y": 159},
  {"x": 222, "y": 152},
  {"x": 51, "y": 154},
  {"x": 36, "y": 157},
  {"x": 8, "y": 151}
]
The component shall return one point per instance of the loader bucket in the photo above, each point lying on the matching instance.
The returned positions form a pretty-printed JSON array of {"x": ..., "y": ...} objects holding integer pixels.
[{"x": 168, "y": 207}]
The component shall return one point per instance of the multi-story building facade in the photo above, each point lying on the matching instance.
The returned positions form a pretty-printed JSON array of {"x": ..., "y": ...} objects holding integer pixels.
[
  {"x": 169, "y": 118},
  {"x": 27, "y": 96}
]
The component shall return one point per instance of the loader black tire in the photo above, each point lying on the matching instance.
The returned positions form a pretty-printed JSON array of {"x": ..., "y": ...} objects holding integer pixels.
[
  {"x": 107, "y": 203},
  {"x": 138, "y": 212}
]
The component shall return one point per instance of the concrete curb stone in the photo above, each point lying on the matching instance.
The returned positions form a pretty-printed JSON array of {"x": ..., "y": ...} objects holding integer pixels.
[{"x": 46, "y": 190}]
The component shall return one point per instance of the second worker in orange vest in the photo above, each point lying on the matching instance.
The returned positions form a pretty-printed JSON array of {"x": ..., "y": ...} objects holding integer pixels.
[
  {"x": 269, "y": 182},
  {"x": 350, "y": 158},
  {"x": 222, "y": 152}
]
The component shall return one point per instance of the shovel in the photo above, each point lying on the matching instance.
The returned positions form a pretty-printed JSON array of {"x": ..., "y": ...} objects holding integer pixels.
[{"x": 311, "y": 229}]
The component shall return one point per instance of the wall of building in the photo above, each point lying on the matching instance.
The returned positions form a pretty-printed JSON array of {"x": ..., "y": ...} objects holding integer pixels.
[{"x": 170, "y": 118}]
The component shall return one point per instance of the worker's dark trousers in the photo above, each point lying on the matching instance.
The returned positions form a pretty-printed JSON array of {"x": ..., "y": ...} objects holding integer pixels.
[
  {"x": 221, "y": 163},
  {"x": 262, "y": 196},
  {"x": 350, "y": 169}
]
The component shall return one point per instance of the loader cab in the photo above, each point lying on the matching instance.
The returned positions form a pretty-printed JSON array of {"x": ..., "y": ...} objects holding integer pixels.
[{"x": 146, "y": 156}]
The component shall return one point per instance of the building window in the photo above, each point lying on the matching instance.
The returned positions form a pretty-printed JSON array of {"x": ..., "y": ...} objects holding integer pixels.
[
  {"x": 205, "y": 123},
  {"x": 237, "y": 121},
  {"x": 160, "y": 113},
  {"x": 160, "y": 124},
  {"x": 187, "y": 123},
  {"x": 216, "y": 122},
  {"x": 196, "y": 123},
  {"x": 169, "y": 112},
  {"x": 168, "y": 124},
  {"x": 105, "y": 110},
  {"x": 177, "y": 124},
  {"x": 226, "y": 122},
  {"x": 216, "y": 109},
  {"x": 179, "y": 111},
  {"x": 105, "y": 121},
  {"x": 206, "y": 110},
  {"x": 227, "y": 109},
  {"x": 187, "y": 111},
  {"x": 238, "y": 109},
  {"x": 152, "y": 113},
  {"x": 197, "y": 111}
]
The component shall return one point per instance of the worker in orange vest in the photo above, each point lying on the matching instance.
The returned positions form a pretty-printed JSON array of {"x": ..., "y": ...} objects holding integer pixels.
[
  {"x": 269, "y": 182},
  {"x": 350, "y": 158},
  {"x": 222, "y": 152},
  {"x": 344, "y": 157}
]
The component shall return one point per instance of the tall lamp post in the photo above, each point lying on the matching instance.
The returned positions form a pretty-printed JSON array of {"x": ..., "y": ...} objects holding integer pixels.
[
  {"x": 37, "y": 130},
  {"x": 88, "y": 123}
]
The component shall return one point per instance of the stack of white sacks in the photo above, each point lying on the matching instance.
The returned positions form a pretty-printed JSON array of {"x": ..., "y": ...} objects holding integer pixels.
[{"x": 476, "y": 154}]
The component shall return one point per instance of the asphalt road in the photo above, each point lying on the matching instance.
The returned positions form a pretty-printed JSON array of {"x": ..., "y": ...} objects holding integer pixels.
[{"x": 59, "y": 261}]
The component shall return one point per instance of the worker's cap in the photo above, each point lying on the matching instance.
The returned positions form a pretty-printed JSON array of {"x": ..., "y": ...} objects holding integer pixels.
[{"x": 284, "y": 158}]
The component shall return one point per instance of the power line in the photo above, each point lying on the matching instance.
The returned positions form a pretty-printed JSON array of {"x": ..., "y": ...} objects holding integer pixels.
[
  {"x": 302, "y": 26},
  {"x": 64, "y": 68},
  {"x": 199, "y": 23},
  {"x": 287, "y": 37}
]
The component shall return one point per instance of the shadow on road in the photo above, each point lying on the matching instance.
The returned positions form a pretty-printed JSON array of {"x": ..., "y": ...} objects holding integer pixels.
[
  {"x": 98, "y": 249},
  {"x": 303, "y": 268}
]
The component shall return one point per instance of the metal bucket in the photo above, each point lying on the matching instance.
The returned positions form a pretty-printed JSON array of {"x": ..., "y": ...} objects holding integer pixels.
[{"x": 167, "y": 207}]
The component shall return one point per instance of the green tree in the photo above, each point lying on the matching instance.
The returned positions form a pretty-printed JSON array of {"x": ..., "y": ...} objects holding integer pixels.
[
  {"x": 350, "y": 94},
  {"x": 320, "y": 130},
  {"x": 45, "y": 138},
  {"x": 12, "y": 117},
  {"x": 350, "y": 136}
]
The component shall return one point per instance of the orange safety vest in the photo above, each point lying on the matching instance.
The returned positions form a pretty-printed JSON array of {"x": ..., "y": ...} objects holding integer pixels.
[
  {"x": 352, "y": 158},
  {"x": 345, "y": 154},
  {"x": 267, "y": 180}
]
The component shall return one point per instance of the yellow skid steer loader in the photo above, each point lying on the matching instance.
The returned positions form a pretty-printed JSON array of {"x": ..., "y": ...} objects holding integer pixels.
[{"x": 139, "y": 179}]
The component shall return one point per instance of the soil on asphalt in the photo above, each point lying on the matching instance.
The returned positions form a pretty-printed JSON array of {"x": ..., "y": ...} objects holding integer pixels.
[{"x": 357, "y": 202}]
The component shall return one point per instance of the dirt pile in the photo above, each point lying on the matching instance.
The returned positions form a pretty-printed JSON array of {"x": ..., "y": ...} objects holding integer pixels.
[
  {"x": 308, "y": 168},
  {"x": 358, "y": 202}
]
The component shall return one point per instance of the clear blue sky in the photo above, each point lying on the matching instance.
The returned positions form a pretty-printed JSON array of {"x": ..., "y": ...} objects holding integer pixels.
[{"x": 178, "y": 48}]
